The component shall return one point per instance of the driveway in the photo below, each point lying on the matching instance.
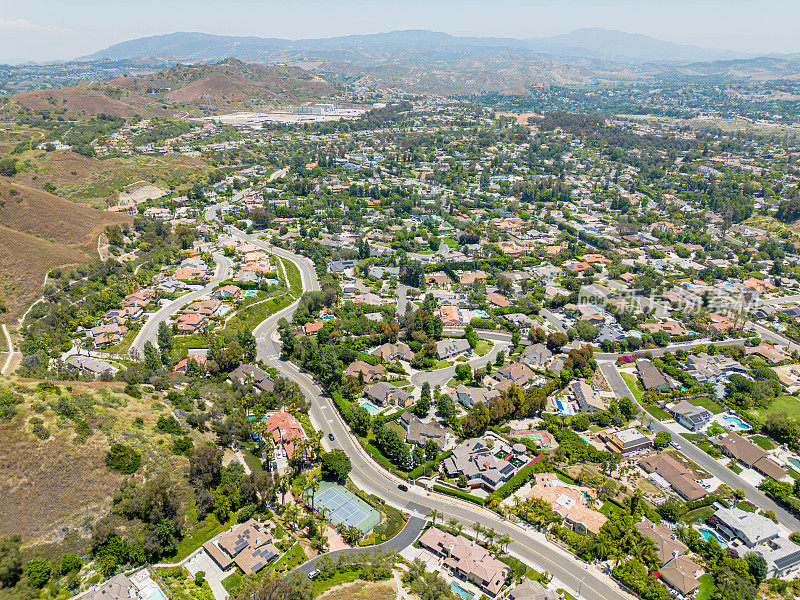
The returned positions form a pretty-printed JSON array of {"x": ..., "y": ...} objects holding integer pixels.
[
  {"x": 407, "y": 536},
  {"x": 214, "y": 575}
]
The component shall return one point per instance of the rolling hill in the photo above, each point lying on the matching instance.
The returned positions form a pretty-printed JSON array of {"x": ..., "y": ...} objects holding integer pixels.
[
  {"x": 224, "y": 86},
  {"x": 591, "y": 43},
  {"x": 39, "y": 231}
]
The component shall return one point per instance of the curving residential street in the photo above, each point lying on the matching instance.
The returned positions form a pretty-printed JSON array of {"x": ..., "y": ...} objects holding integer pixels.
[
  {"x": 531, "y": 546},
  {"x": 149, "y": 331}
]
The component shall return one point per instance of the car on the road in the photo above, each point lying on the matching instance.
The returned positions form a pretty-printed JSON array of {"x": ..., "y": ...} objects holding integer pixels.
[
  {"x": 330, "y": 436},
  {"x": 402, "y": 487},
  {"x": 675, "y": 445},
  {"x": 313, "y": 574}
]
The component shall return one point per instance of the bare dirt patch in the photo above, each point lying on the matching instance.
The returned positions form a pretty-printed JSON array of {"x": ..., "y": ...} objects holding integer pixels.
[{"x": 361, "y": 590}]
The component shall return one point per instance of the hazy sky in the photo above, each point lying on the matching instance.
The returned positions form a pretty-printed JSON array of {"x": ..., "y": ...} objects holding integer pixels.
[{"x": 39, "y": 30}]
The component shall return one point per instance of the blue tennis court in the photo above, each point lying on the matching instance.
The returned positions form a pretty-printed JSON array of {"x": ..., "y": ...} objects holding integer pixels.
[{"x": 340, "y": 505}]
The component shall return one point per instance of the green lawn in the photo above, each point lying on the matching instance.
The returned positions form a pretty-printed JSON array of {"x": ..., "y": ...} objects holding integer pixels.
[
  {"x": 337, "y": 578},
  {"x": 441, "y": 364},
  {"x": 450, "y": 242},
  {"x": 252, "y": 461},
  {"x": 609, "y": 508},
  {"x": 708, "y": 404},
  {"x": 253, "y": 315},
  {"x": 294, "y": 557},
  {"x": 745, "y": 507},
  {"x": 706, "y": 589},
  {"x": 658, "y": 412},
  {"x": 786, "y": 404},
  {"x": 633, "y": 386},
  {"x": 698, "y": 515},
  {"x": 763, "y": 441},
  {"x": 295, "y": 280},
  {"x": 482, "y": 348},
  {"x": 232, "y": 583}
]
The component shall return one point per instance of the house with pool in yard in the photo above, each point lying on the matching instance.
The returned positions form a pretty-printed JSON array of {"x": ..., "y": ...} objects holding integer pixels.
[
  {"x": 744, "y": 532},
  {"x": 466, "y": 559}
]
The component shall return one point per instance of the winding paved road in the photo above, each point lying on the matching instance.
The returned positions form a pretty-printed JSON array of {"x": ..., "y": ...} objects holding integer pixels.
[
  {"x": 149, "y": 331},
  {"x": 530, "y": 545}
]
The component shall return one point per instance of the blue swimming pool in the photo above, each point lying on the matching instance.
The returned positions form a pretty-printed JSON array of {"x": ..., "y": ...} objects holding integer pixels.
[
  {"x": 371, "y": 408},
  {"x": 459, "y": 591},
  {"x": 564, "y": 408},
  {"x": 795, "y": 463},
  {"x": 736, "y": 422},
  {"x": 707, "y": 534}
]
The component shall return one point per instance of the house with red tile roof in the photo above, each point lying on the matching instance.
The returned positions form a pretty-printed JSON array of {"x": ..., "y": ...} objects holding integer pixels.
[
  {"x": 310, "y": 328},
  {"x": 285, "y": 431},
  {"x": 181, "y": 366}
]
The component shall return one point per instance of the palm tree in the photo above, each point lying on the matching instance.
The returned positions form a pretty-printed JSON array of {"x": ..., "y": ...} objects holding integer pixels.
[
  {"x": 283, "y": 485},
  {"x": 314, "y": 485},
  {"x": 505, "y": 540},
  {"x": 452, "y": 523},
  {"x": 434, "y": 514},
  {"x": 489, "y": 534},
  {"x": 477, "y": 528}
]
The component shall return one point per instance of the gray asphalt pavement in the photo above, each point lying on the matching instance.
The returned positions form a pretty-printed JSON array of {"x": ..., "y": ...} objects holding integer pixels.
[
  {"x": 149, "y": 331},
  {"x": 731, "y": 479},
  {"x": 407, "y": 536},
  {"x": 529, "y": 545}
]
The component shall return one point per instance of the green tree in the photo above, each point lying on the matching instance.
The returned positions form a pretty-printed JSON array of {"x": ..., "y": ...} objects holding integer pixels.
[
  {"x": 10, "y": 560},
  {"x": 165, "y": 342},
  {"x": 335, "y": 465},
  {"x": 586, "y": 331},
  {"x": 662, "y": 440},
  {"x": 757, "y": 565},
  {"x": 463, "y": 372},
  {"x": 37, "y": 571},
  {"x": 361, "y": 421}
]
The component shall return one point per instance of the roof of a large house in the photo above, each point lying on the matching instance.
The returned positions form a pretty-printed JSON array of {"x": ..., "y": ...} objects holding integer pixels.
[
  {"x": 467, "y": 557},
  {"x": 567, "y": 500},
  {"x": 586, "y": 396},
  {"x": 681, "y": 573},
  {"x": 250, "y": 545},
  {"x": 652, "y": 377},
  {"x": 284, "y": 428},
  {"x": 678, "y": 475},
  {"x": 751, "y": 527},
  {"x": 667, "y": 544},
  {"x": 116, "y": 588}
]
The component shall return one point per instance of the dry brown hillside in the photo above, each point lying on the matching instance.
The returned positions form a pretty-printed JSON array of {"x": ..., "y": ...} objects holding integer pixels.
[
  {"x": 225, "y": 86},
  {"x": 39, "y": 231},
  {"x": 84, "y": 98}
]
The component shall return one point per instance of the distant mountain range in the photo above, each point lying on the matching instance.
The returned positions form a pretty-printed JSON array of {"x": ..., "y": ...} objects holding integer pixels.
[
  {"x": 590, "y": 43},
  {"x": 419, "y": 61}
]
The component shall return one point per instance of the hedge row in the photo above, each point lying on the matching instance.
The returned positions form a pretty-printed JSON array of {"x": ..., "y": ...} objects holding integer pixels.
[
  {"x": 458, "y": 494},
  {"x": 521, "y": 478}
]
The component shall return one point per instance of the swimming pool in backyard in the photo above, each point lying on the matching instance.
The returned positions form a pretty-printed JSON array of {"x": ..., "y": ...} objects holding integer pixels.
[
  {"x": 459, "y": 591},
  {"x": 708, "y": 534},
  {"x": 564, "y": 408},
  {"x": 736, "y": 422},
  {"x": 371, "y": 408}
]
